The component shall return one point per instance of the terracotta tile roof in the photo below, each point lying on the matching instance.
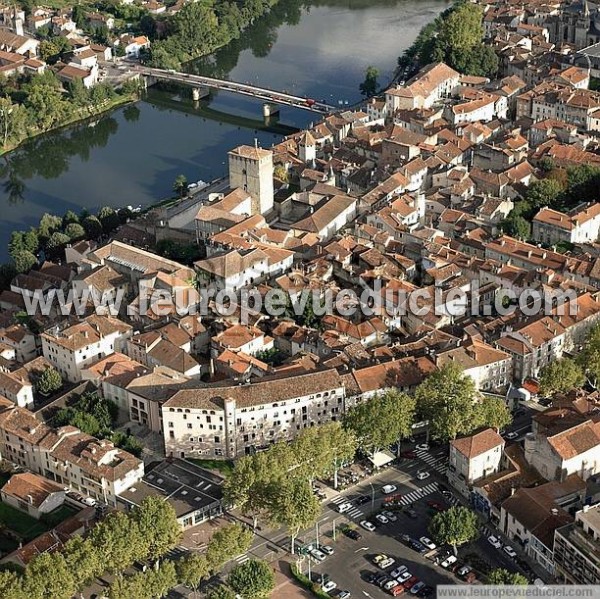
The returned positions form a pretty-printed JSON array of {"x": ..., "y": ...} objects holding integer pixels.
[
  {"x": 576, "y": 440},
  {"x": 478, "y": 443},
  {"x": 30, "y": 488}
]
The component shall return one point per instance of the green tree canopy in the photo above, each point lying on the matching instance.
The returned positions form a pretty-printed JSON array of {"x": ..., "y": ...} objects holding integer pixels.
[
  {"x": 492, "y": 412},
  {"x": 456, "y": 526},
  {"x": 229, "y": 541},
  {"x": 502, "y": 576},
  {"x": 192, "y": 570},
  {"x": 253, "y": 579},
  {"x": 24, "y": 261},
  {"x": 158, "y": 526},
  {"x": 446, "y": 399},
  {"x": 369, "y": 86},
  {"x": 48, "y": 576},
  {"x": 92, "y": 226},
  {"x": 561, "y": 376},
  {"x": 180, "y": 185},
  {"x": 49, "y": 381}
]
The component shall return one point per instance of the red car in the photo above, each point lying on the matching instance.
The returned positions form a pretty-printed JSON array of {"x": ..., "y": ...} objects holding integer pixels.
[
  {"x": 397, "y": 591},
  {"x": 436, "y": 505},
  {"x": 410, "y": 583},
  {"x": 409, "y": 455},
  {"x": 392, "y": 498}
]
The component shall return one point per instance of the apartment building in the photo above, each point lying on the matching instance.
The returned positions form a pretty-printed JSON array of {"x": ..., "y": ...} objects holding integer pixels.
[
  {"x": 76, "y": 346},
  {"x": 581, "y": 225},
  {"x": 229, "y": 422},
  {"x": 67, "y": 456},
  {"x": 577, "y": 548}
]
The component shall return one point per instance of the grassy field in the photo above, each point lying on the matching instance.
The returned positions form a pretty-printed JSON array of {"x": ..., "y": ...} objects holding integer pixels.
[
  {"x": 27, "y": 527},
  {"x": 225, "y": 467}
]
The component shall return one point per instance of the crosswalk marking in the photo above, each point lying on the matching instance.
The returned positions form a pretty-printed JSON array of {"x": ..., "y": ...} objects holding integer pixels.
[
  {"x": 438, "y": 464},
  {"x": 351, "y": 513},
  {"x": 355, "y": 513},
  {"x": 418, "y": 494},
  {"x": 240, "y": 559},
  {"x": 338, "y": 499}
]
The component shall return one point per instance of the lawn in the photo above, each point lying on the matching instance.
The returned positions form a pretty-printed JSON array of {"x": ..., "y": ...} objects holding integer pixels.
[
  {"x": 225, "y": 467},
  {"x": 23, "y": 524},
  {"x": 27, "y": 527}
]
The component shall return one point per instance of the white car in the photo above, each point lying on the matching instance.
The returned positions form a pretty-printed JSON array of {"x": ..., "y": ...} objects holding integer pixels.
[
  {"x": 318, "y": 555},
  {"x": 422, "y": 475},
  {"x": 329, "y": 586},
  {"x": 344, "y": 507},
  {"x": 386, "y": 563},
  {"x": 511, "y": 436},
  {"x": 494, "y": 542},
  {"x": 387, "y": 489},
  {"x": 398, "y": 571},
  {"x": 404, "y": 576},
  {"x": 381, "y": 518},
  {"x": 326, "y": 549},
  {"x": 90, "y": 501},
  {"x": 510, "y": 551},
  {"x": 428, "y": 542},
  {"x": 422, "y": 447},
  {"x": 379, "y": 558},
  {"x": 390, "y": 584},
  {"x": 451, "y": 559},
  {"x": 367, "y": 525}
]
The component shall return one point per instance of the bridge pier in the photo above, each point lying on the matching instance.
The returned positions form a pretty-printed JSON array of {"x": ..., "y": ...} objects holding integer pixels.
[{"x": 270, "y": 110}]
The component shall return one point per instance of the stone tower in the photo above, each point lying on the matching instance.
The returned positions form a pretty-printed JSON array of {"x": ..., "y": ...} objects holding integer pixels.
[
  {"x": 251, "y": 169},
  {"x": 307, "y": 148}
]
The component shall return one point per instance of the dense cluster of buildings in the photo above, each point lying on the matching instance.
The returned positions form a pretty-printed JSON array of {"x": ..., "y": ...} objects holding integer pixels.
[{"x": 405, "y": 195}]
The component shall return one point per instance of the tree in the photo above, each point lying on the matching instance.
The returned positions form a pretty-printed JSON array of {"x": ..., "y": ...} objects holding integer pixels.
[
  {"x": 192, "y": 570},
  {"x": 253, "y": 579},
  {"x": 92, "y": 226},
  {"x": 180, "y": 185},
  {"x": 161, "y": 580},
  {"x": 543, "y": 193},
  {"x": 502, "y": 576},
  {"x": 382, "y": 420},
  {"x": 295, "y": 506},
  {"x": 49, "y": 381},
  {"x": 74, "y": 231},
  {"x": 561, "y": 376},
  {"x": 229, "y": 541},
  {"x": 369, "y": 86},
  {"x": 70, "y": 216},
  {"x": 517, "y": 226},
  {"x": 492, "y": 412},
  {"x": 158, "y": 526},
  {"x": 109, "y": 219},
  {"x": 57, "y": 242},
  {"x": 589, "y": 357},
  {"x": 221, "y": 592},
  {"x": 446, "y": 400},
  {"x": 83, "y": 561},
  {"x": 119, "y": 542},
  {"x": 11, "y": 585},
  {"x": 24, "y": 261},
  {"x": 47, "y": 576},
  {"x": 456, "y": 526},
  {"x": 49, "y": 223}
]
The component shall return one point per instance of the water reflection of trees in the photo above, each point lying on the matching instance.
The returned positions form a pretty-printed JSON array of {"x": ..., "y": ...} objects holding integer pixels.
[
  {"x": 259, "y": 39},
  {"x": 49, "y": 156}
]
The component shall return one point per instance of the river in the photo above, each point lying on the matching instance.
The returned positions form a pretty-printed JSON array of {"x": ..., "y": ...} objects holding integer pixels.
[{"x": 132, "y": 155}]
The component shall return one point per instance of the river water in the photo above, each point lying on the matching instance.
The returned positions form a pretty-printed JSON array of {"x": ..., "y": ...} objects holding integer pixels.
[{"x": 132, "y": 156}]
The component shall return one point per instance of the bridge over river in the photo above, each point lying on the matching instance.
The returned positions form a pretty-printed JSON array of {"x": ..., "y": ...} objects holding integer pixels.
[{"x": 268, "y": 96}]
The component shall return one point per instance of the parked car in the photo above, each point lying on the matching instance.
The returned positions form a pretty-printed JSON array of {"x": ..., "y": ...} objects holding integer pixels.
[
  {"x": 380, "y": 557},
  {"x": 381, "y": 518},
  {"x": 369, "y": 576},
  {"x": 329, "y": 586},
  {"x": 426, "y": 591},
  {"x": 422, "y": 447},
  {"x": 398, "y": 571},
  {"x": 404, "y": 576},
  {"x": 353, "y": 534},
  {"x": 344, "y": 595},
  {"x": 387, "y": 489},
  {"x": 386, "y": 563},
  {"x": 326, "y": 549},
  {"x": 428, "y": 542},
  {"x": 390, "y": 584},
  {"x": 494, "y": 542},
  {"x": 408, "y": 455},
  {"x": 510, "y": 551},
  {"x": 410, "y": 583},
  {"x": 511, "y": 436},
  {"x": 397, "y": 591},
  {"x": 417, "y": 546},
  {"x": 367, "y": 525},
  {"x": 318, "y": 555},
  {"x": 411, "y": 513},
  {"x": 449, "y": 561},
  {"x": 362, "y": 499},
  {"x": 436, "y": 505},
  {"x": 417, "y": 587},
  {"x": 390, "y": 515},
  {"x": 422, "y": 474}
]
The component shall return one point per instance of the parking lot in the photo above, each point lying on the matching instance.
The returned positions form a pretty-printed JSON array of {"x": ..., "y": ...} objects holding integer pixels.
[{"x": 351, "y": 566}]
